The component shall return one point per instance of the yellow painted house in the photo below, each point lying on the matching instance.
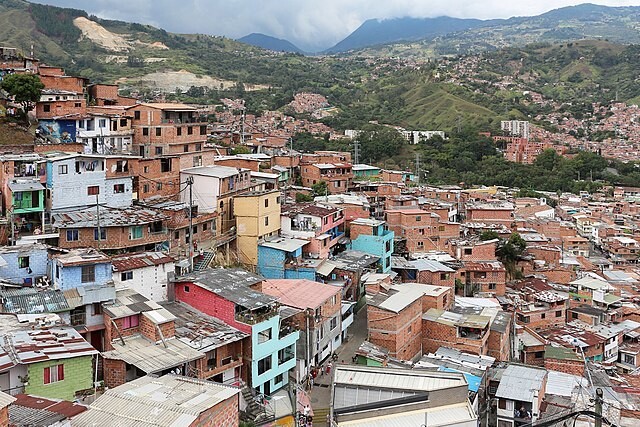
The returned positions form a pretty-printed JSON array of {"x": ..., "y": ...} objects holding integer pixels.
[{"x": 257, "y": 216}]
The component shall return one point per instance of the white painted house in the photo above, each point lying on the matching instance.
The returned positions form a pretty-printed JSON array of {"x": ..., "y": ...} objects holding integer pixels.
[
  {"x": 146, "y": 273},
  {"x": 82, "y": 180}
]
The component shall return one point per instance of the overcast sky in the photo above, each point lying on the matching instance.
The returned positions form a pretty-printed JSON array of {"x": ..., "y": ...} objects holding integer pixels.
[{"x": 310, "y": 24}]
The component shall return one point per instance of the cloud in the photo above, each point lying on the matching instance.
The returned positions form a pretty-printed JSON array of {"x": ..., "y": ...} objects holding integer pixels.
[{"x": 311, "y": 24}]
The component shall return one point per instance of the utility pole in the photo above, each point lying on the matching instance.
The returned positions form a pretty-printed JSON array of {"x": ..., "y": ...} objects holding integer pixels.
[
  {"x": 190, "y": 184},
  {"x": 98, "y": 219},
  {"x": 418, "y": 167},
  {"x": 598, "y": 407},
  {"x": 242, "y": 119},
  {"x": 308, "y": 352}
]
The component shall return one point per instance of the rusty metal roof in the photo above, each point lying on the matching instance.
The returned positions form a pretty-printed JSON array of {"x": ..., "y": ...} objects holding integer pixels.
[
  {"x": 146, "y": 259},
  {"x": 109, "y": 217}
]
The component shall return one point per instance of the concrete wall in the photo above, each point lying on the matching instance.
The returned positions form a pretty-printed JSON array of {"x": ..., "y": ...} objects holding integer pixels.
[
  {"x": 70, "y": 277},
  {"x": 148, "y": 281},
  {"x": 38, "y": 261}
]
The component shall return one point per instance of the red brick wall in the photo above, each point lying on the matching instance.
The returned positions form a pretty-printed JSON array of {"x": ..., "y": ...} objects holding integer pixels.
[
  {"x": 489, "y": 216},
  {"x": 115, "y": 372},
  {"x": 537, "y": 321},
  {"x": 4, "y": 417},
  {"x": 60, "y": 82},
  {"x": 111, "y": 334},
  {"x": 117, "y": 238},
  {"x": 436, "y": 335},
  {"x": 399, "y": 333},
  {"x": 433, "y": 278},
  {"x": 573, "y": 367},
  {"x": 224, "y": 414},
  {"x": 65, "y": 148},
  {"x": 209, "y": 303},
  {"x": 148, "y": 171},
  {"x": 60, "y": 108}
]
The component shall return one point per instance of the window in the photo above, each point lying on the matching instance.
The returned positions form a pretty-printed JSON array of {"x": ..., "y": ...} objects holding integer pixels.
[
  {"x": 72, "y": 236},
  {"x": 264, "y": 365},
  {"x": 525, "y": 319},
  {"x": 146, "y": 169},
  {"x": 102, "y": 123},
  {"x": 266, "y": 203},
  {"x": 46, "y": 108},
  {"x": 205, "y": 226},
  {"x": 158, "y": 151},
  {"x": 190, "y": 130},
  {"x": 93, "y": 190},
  {"x": 418, "y": 218},
  {"x": 492, "y": 286},
  {"x": 135, "y": 232},
  {"x": 97, "y": 308},
  {"x": 539, "y": 355},
  {"x": 444, "y": 276},
  {"x": 145, "y": 131},
  {"x": 179, "y": 131},
  {"x": 559, "y": 313},
  {"x": 574, "y": 315},
  {"x": 53, "y": 374},
  {"x": 264, "y": 336},
  {"x": 334, "y": 323},
  {"x": 126, "y": 275},
  {"x": 63, "y": 169},
  {"x": 629, "y": 359},
  {"x": 186, "y": 289},
  {"x": 118, "y": 188},
  {"x": 266, "y": 221},
  {"x": 198, "y": 147},
  {"x": 23, "y": 262},
  {"x": 441, "y": 228},
  {"x": 543, "y": 315},
  {"x": 468, "y": 251},
  {"x": 145, "y": 188},
  {"x": 211, "y": 359},
  {"x": 185, "y": 148},
  {"x": 136, "y": 115},
  {"x": 334, "y": 300},
  {"x": 103, "y": 234},
  {"x": 158, "y": 131},
  {"x": 123, "y": 122},
  {"x": 158, "y": 186},
  {"x": 122, "y": 166},
  {"x": 420, "y": 245},
  {"x": 176, "y": 235},
  {"x": 278, "y": 379},
  {"x": 203, "y": 130},
  {"x": 197, "y": 161},
  {"x": 130, "y": 322},
  {"x": 502, "y": 404},
  {"x": 165, "y": 165},
  {"x": 88, "y": 273}
]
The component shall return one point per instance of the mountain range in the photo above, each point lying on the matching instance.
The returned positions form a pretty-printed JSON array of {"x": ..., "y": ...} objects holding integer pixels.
[
  {"x": 454, "y": 35},
  {"x": 270, "y": 43}
]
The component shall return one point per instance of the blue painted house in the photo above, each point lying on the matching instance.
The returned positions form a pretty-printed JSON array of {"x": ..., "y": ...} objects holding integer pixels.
[
  {"x": 372, "y": 237},
  {"x": 80, "y": 268},
  {"x": 281, "y": 258},
  {"x": 23, "y": 264}
]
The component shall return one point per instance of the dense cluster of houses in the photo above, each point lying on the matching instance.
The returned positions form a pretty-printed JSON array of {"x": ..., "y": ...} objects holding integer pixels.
[{"x": 149, "y": 275}]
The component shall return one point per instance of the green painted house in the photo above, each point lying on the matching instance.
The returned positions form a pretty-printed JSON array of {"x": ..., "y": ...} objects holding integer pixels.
[
  {"x": 27, "y": 204},
  {"x": 53, "y": 361}
]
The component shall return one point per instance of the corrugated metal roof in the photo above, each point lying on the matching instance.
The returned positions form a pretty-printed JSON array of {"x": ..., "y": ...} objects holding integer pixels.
[
  {"x": 152, "y": 357},
  {"x": 520, "y": 383},
  {"x": 561, "y": 384},
  {"x": 398, "y": 379},
  {"x": 142, "y": 260},
  {"x": 232, "y": 284},
  {"x": 200, "y": 331},
  {"x": 6, "y": 399},
  {"x": 284, "y": 244},
  {"x": 25, "y": 185},
  {"x": 459, "y": 414},
  {"x": 109, "y": 217},
  {"x": 301, "y": 293},
  {"x": 33, "y": 301},
  {"x": 167, "y": 401},
  {"x": 128, "y": 303},
  {"x": 430, "y": 265}
]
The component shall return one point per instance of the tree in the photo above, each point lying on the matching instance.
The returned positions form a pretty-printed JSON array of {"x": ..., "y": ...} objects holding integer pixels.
[
  {"x": 489, "y": 235},
  {"x": 25, "y": 89},
  {"x": 510, "y": 251},
  {"x": 320, "y": 188},
  {"x": 302, "y": 198}
]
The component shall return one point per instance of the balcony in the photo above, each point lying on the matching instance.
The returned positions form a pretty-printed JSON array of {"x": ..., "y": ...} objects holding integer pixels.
[
  {"x": 184, "y": 120},
  {"x": 257, "y": 316},
  {"x": 78, "y": 319}
]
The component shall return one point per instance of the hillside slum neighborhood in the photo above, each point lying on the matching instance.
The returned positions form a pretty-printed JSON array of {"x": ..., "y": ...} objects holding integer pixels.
[{"x": 149, "y": 276}]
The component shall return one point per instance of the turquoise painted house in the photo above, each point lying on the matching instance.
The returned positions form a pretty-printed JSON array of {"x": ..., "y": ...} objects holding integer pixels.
[
  {"x": 372, "y": 237},
  {"x": 281, "y": 258},
  {"x": 362, "y": 171}
]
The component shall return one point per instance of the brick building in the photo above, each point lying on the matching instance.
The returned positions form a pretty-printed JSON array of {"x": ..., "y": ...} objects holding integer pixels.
[
  {"x": 422, "y": 231},
  {"x": 111, "y": 229},
  {"x": 488, "y": 278},
  {"x": 338, "y": 176}
]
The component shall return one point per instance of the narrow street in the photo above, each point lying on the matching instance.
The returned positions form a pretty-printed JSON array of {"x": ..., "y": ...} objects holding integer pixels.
[{"x": 321, "y": 392}]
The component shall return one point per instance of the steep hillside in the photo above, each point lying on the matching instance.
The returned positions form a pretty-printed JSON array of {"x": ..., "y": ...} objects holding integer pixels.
[{"x": 270, "y": 43}]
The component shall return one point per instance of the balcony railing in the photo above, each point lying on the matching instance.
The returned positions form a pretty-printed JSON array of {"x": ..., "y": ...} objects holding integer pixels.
[
  {"x": 253, "y": 318},
  {"x": 78, "y": 319}
]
